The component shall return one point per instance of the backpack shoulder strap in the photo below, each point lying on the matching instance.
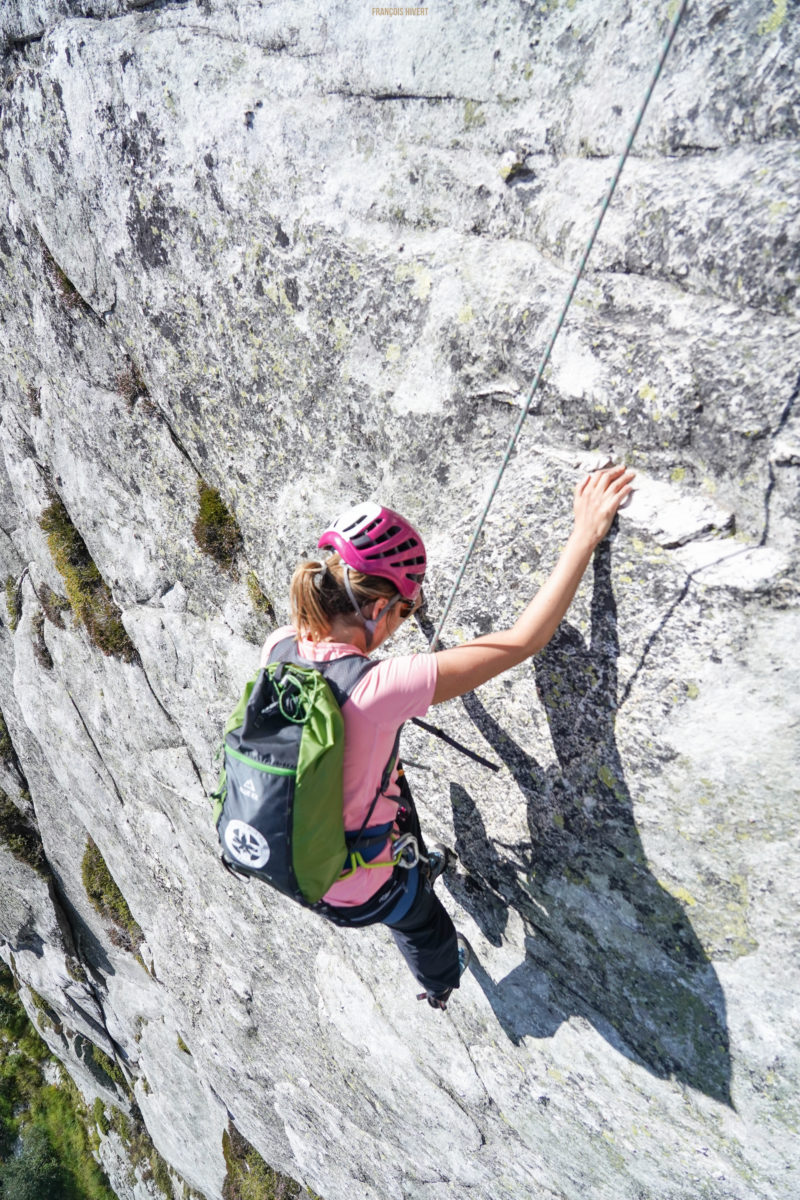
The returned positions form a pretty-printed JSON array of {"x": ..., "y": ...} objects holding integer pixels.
[
  {"x": 342, "y": 674},
  {"x": 282, "y": 650}
]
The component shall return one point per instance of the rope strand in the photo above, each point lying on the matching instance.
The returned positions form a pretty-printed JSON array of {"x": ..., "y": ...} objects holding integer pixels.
[{"x": 673, "y": 29}]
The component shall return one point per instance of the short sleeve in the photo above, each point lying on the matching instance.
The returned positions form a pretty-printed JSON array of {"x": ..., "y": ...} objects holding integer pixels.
[{"x": 397, "y": 689}]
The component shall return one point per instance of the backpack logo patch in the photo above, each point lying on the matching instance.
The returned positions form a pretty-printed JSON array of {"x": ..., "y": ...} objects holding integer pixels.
[
  {"x": 246, "y": 844},
  {"x": 249, "y": 790}
]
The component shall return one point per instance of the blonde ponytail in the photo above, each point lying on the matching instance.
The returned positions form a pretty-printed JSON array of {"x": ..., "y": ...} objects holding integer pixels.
[{"x": 317, "y": 594}]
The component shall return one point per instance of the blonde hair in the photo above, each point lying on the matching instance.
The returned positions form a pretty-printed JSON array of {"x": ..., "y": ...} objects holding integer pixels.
[{"x": 317, "y": 594}]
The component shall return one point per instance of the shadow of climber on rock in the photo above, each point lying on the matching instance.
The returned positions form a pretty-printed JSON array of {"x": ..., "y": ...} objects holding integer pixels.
[{"x": 604, "y": 940}]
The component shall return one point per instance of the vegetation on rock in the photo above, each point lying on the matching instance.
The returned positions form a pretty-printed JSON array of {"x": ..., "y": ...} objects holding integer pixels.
[
  {"x": 107, "y": 899},
  {"x": 249, "y": 1177},
  {"x": 13, "y": 602},
  {"x": 47, "y": 1018},
  {"x": 131, "y": 386},
  {"x": 20, "y": 837},
  {"x": 261, "y": 603},
  {"x": 99, "y": 1116},
  {"x": 65, "y": 289},
  {"x": 45, "y": 1147},
  {"x": 41, "y": 651},
  {"x": 215, "y": 528},
  {"x": 88, "y": 593},
  {"x": 53, "y": 605},
  {"x": 144, "y": 1157},
  {"x": 108, "y": 1067},
  {"x": 6, "y": 745}
]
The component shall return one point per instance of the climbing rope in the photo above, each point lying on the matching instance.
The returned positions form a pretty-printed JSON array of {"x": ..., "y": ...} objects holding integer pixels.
[{"x": 673, "y": 29}]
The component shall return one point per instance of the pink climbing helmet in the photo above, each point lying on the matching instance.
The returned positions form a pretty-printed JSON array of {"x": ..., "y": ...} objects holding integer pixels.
[{"x": 378, "y": 541}]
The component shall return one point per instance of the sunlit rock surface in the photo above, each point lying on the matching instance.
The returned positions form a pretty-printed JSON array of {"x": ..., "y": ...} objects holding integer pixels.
[{"x": 308, "y": 255}]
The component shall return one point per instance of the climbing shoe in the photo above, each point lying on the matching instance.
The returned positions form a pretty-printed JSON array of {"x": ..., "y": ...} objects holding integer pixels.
[
  {"x": 440, "y": 858},
  {"x": 464, "y": 953},
  {"x": 439, "y": 999}
]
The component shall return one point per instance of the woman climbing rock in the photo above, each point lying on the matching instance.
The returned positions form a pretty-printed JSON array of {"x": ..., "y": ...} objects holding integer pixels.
[{"x": 346, "y": 606}]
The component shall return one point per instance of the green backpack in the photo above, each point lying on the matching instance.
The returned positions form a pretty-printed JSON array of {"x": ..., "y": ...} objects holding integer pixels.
[{"x": 278, "y": 804}]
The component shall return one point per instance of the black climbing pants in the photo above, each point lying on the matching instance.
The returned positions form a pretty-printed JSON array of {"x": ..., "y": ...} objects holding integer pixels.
[{"x": 426, "y": 938}]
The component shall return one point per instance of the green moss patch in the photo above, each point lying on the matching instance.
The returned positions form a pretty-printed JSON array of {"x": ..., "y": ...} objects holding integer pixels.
[
  {"x": 20, "y": 837},
  {"x": 249, "y": 1177},
  {"x": 6, "y": 745},
  {"x": 107, "y": 1068},
  {"x": 215, "y": 529},
  {"x": 99, "y": 1116},
  {"x": 121, "y": 1125},
  {"x": 107, "y": 899},
  {"x": 88, "y": 593},
  {"x": 261, "y": 603},
  {"x": 13, "y": 602},
  {"x": 47, "y": 1017}
]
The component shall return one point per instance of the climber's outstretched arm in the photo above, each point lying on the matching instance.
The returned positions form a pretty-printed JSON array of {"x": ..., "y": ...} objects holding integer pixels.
[{"x": 463, "y": 668}]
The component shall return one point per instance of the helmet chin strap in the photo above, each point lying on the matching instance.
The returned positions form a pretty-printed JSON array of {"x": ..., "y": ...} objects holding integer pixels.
[{"x": 370, "y": 624}]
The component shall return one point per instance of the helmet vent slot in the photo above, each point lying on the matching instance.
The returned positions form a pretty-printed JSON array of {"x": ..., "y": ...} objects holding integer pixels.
[{"x": 378, "y": 541}]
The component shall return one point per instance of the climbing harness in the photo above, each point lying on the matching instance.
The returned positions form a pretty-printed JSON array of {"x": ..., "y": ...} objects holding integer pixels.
[
  {"x": 405, "y": 853},
  {"x": 673, "y": 29}
]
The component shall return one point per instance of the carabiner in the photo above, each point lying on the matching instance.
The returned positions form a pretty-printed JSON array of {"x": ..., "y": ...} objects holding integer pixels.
[{"x": 405, "y": 851}]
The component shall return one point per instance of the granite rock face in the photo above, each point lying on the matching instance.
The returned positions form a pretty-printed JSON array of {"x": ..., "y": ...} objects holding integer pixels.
[{"x": 301, "y": 256}]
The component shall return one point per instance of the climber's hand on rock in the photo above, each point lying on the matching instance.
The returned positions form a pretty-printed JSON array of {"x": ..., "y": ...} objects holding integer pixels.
[{"x": 597, "y": 498}]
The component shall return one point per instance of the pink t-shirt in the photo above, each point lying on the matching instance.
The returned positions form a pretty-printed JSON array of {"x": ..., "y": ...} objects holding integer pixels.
[{"x": 392, "y": 692}]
